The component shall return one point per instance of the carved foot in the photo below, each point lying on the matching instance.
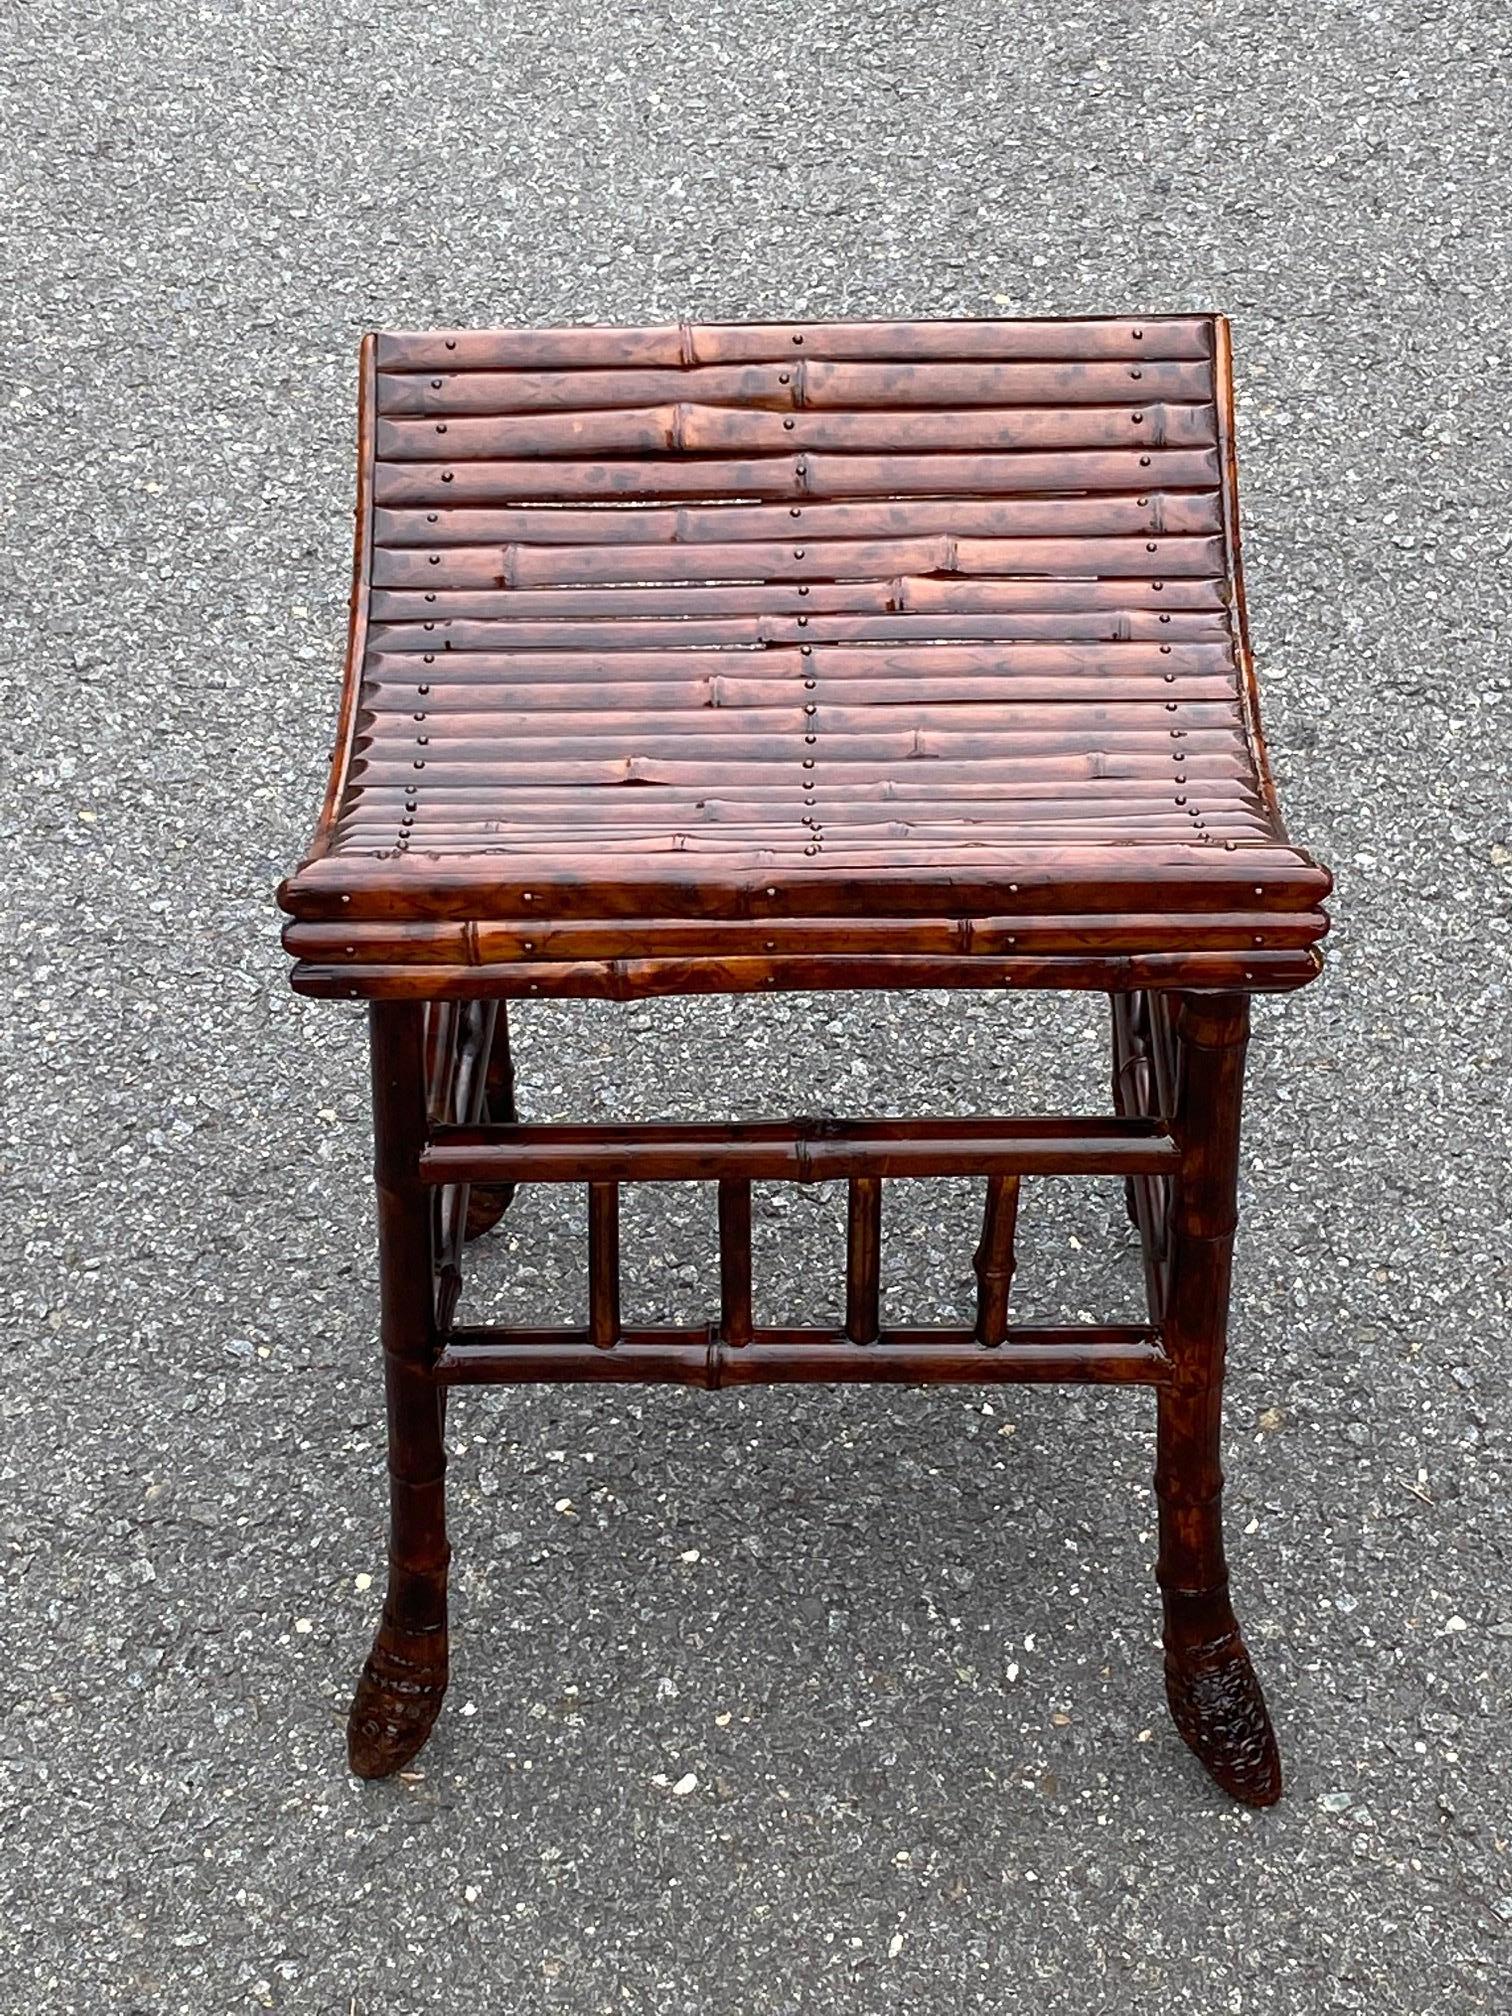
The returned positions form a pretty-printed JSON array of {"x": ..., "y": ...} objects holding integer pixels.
[
  {"x": 1219, "y": 1711},
  {"x": 397, "y": 1701}
]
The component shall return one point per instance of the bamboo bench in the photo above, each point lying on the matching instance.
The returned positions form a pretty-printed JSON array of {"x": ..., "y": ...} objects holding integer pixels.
[{"x": 740, "y": 658}]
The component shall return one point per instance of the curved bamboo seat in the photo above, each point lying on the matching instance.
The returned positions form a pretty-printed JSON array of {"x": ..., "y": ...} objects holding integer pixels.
[{"x": 861, "y": 654}]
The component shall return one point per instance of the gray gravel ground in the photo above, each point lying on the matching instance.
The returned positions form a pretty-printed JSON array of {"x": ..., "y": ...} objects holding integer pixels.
[{"x": 906, "y": 1642}]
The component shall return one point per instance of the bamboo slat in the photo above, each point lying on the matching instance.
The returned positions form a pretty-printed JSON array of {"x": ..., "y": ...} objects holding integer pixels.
[
  {"x": 451, "y": 480},
  {"x": 742, "y": 431},
  {"x": 751, "y": 635},
  {"x": 1106, "y": 514},
  {"x": 633, "y": 979},
  {"x": 687, "y": 344},
  {"x": 448, "y": 567},
  {"x": 793, "y": 385}
]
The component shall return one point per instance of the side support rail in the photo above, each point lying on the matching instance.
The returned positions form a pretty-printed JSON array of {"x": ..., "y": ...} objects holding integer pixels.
[
  {"x": 800, "y": 1151},
  {"x": 735, "y": 1349}
]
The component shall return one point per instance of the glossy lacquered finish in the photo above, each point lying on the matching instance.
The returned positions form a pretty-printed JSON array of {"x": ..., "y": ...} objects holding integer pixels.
[
  {"x": 849, "y": 655},
  {"x": 853, "y": 655}
]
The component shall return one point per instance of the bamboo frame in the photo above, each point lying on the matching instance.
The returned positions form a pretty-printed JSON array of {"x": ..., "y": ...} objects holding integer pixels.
[
  {"x": 736, "y": 1321},
  {"x": 863, "y": 1260},
  {"x": 1178, "y": 1072},
  {"x": 404, "y": 1678},
  {"x": 749, "y": 657}
]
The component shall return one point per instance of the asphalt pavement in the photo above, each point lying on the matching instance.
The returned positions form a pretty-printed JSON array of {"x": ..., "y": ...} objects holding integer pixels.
[{"x": 904, "y": 1644}]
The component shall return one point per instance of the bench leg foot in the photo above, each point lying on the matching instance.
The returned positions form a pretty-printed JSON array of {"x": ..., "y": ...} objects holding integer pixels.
[
  {"x": 1215, "y": 1698},
  {"x": 1217, "y": 1704},
  {"x": 398, "y": 1698},
  {"x": 487, "y": 1202},
  {"x": 403, "y": 1680}
]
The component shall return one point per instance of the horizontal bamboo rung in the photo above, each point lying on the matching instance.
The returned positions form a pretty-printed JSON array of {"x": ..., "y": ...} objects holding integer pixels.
[
  {"x": 1112, "y": 1354},
  {"x": 689, "y": 344},
  {"x": 635, "y": 979},
  {"x": 803, "y": 1151}
]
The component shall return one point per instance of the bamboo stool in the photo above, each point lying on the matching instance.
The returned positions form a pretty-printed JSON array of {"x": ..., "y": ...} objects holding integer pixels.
[{"x": 737, "y": 658}]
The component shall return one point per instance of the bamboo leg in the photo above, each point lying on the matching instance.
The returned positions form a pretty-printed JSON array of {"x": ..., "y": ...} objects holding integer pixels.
[
  {"x": 1215, "y": 1698},
  {"x": 404, "y": 1678},
  {"x": 487, "y": 1202}
]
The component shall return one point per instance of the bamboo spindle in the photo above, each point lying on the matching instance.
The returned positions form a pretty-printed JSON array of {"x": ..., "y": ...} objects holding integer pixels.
[
  {"x": 735, "y": 1319},
  {"x": 863, "y": 1260},
  {"x": 603, "y": 1265},
  {"x": 994, "y": 1260}
]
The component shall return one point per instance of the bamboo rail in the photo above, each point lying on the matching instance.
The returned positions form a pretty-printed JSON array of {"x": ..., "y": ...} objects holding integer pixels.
[
  {"x": 1102, "y": 1355},
  {"x": 802, "y": 1151}
]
